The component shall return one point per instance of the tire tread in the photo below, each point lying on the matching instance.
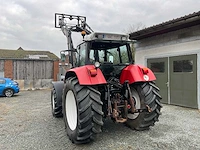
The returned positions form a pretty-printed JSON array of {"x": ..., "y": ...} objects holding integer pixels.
[
  {"x": 90, "y": 113},
  {"x": 152, "y": 99}
]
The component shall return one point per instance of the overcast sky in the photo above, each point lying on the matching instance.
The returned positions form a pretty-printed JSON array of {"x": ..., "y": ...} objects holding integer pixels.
[{"x": 30, "y": 23}]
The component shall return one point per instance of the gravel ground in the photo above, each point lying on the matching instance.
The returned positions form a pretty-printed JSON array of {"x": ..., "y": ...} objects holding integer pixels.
[{"x": 26, "y": 123}]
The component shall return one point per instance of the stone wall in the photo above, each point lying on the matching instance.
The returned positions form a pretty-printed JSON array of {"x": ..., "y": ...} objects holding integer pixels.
[{"x": 35, "y": 84}]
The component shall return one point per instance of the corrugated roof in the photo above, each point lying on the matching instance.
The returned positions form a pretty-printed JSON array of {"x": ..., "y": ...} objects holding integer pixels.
[
  {"x": 26, "y": 54},
  {"x": 168, "y": 26}
]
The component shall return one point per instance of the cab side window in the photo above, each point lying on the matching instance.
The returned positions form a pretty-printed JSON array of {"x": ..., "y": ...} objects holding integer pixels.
[
  {"x": 124, "y": 54},
  {"x": 92, "y": 56},
  {"x": 81, "y": 54}
]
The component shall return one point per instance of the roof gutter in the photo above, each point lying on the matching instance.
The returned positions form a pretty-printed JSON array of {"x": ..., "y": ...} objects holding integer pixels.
[{"x": 176, "y": 24}]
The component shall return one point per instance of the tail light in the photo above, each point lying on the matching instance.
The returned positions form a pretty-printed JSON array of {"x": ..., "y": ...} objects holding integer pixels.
[
  {"x": 145, "y": 70},
  {"x": 93, "y": 72}
]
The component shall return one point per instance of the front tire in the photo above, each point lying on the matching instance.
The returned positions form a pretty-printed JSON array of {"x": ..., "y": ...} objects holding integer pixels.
[
  {"x": 82, "y": 111},
  {"x": 145, "y": 94}
]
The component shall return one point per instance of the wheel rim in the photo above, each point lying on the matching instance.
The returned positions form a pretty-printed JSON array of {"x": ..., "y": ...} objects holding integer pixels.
[
  {"x": 136, "y": 97},
  {"x": 8, "y": 93},
  {"x": 71, "y": 110},
  {"x": 53, "y": 101}
]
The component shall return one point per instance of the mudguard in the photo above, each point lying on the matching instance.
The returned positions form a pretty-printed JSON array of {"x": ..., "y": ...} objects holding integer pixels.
[
  {"x": 135, "y": 73},
  {"x": 84, "y": 75},
  {"x": 58, "y": 86}
]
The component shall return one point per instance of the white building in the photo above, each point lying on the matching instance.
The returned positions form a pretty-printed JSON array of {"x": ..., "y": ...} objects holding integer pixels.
[{"x": 172, "y": 50}]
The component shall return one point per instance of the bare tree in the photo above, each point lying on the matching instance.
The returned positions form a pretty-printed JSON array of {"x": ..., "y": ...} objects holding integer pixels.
[{"x": 134, "y": 28}]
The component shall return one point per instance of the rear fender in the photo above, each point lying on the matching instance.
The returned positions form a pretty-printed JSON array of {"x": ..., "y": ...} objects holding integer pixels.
[
  {"x": 84, "y": 75},
  {"x": 135, "y": 73}
]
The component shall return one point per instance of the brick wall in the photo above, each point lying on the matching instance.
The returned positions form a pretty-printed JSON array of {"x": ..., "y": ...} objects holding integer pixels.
[
  {"x": 8, "y": 69},
  {"x": 56, "y": 70}
]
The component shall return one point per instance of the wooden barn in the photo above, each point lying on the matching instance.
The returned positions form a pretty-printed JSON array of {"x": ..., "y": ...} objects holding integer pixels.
[{"x": 31, "y": 69}]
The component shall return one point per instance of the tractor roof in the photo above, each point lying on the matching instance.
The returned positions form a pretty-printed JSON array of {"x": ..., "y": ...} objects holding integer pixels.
[{"x": 106, "y": 37}]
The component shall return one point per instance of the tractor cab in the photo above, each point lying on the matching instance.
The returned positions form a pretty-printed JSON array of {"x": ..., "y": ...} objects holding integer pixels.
[{"x": 110, "y": 52}]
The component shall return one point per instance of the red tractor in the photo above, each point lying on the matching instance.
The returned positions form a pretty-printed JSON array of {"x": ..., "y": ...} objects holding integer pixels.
[{"x": 102, "y": 83}]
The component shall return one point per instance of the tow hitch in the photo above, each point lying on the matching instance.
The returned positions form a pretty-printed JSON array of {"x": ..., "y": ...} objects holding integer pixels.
[{"x": 147, "y": 109}]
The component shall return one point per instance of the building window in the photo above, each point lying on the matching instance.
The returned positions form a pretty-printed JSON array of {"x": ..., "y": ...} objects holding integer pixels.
[
  {"x": 183, "y": 66},
  {"x": 158, "y": 67}
]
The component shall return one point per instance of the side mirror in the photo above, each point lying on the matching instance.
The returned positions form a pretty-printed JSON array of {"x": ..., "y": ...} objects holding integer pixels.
[
  {"x": 68, "y": 55},
  {"x": 63, "y": 57},
  {"x": 64, "y": 53}
]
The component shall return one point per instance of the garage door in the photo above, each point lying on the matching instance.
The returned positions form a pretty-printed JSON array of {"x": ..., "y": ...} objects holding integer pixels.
[
  {"x": 180, "y": 88},
  {"x": 183, "y": 80},
  {"x": 160, "y": 68}
]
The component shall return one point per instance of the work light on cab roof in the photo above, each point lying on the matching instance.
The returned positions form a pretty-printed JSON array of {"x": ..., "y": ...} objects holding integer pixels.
[{"x": 107, "y": 36}]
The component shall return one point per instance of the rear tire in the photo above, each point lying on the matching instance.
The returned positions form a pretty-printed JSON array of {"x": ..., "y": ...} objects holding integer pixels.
[
  {"x": 145, "y": 94},
  {"x": 82, "y": 111},
  {"x": 55, "y": 107}
]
